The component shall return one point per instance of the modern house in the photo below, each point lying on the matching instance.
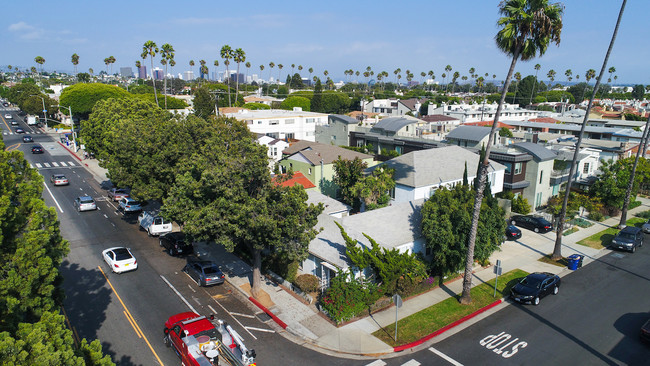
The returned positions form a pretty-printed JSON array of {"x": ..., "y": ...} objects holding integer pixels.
[
  {"x": 482, "y": 112},
  {"x": 471, "y": 136},
  {"x": 587, "y": 165},
  {"x": 337, "y": 130},
  {"x": 316, "y": 162},
  {"x": 274, "y": 146},
  {"x": 282, "y": 124},
  {"x": 515, "y": 162},
  {"x": 538, "y": 173},
  {"x": 401, "y": 134}
]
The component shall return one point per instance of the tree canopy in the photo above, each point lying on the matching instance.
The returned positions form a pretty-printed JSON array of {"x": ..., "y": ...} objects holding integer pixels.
[{"x": 82, "y": 97}]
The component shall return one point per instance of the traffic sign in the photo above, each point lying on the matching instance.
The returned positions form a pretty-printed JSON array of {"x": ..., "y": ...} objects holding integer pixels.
[{"x": 44, "y": 110}]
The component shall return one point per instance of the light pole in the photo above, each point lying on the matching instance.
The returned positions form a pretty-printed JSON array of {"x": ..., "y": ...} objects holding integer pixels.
[
  {"x": 44, "y": 110},
  {"x": 74, "y": 133}
]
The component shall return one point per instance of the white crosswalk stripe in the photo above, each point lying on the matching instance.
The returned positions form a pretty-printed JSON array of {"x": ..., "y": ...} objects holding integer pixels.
[
  {"x": 71, "y": 163},
  {"x": 63, "y": 163},
  {"x": 54, "y": 163},
  {"x": 47, "y": 165},
  {"x": 38, "y": 165},
  {"x": 412, "y": 363},
  {"x": 377, "y": 363}
]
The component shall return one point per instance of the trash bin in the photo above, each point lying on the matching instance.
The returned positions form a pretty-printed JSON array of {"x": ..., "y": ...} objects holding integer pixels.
[{"x": 575, "y": 261}]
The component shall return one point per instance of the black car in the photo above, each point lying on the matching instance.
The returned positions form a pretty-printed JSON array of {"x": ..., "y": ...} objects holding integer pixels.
[
  {"x": 175, "y": 243},
  {"x": 20, "y": 130},
  {"x": 535, "y": 286},
  {"x": 628, "y": 239},
  {"x": 27, "y": 138},
  {"x": 37, "y": 149},
  {"x": 205, "y": 273},
  {"x": 512, "y": 233},
  {"x": 536, "y": 223}
]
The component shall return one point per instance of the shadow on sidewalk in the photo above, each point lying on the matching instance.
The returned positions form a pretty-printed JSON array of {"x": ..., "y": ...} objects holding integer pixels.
[{"x": 531, "y": 248}]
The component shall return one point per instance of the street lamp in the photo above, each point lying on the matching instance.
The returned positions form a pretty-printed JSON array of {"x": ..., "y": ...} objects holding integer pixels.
[
  {"x": 44, "y": 110},
  {"x": 74, "y": 133}
]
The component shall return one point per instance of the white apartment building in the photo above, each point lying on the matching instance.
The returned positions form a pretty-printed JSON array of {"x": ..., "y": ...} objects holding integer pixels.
[
  {"x": 483, "y": 112},
  {"x": 282, "y": 124}
]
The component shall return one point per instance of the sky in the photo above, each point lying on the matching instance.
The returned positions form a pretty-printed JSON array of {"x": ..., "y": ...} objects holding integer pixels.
[{"x": 331, "y": 35}]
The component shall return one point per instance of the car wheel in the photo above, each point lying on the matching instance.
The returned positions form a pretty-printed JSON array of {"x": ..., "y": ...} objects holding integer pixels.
[
  {"x": 633, "y": 250},
  {"x": 171, "y": 252},
  {"x": 78, "y": 209},
  {"x": 536, "y": 230},
  {"x": 166, "y": 341},
  {"x": 556, "y": 289},
  {"x": 536, "y": 301}
]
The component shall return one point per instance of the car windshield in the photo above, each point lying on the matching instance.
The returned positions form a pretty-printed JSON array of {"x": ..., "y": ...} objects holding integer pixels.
[
  {"x": 132, "y": 202},
  {"x": 122, "y": 254},
  {"x": 533, "y": 282},
  {"x": 211, "y": 270},
  {"x": 120, "y": 191},
  {"x": 86, "y": 200},
  {"x": 626, "y": 236},
  {"x": 59, "y": 177}
]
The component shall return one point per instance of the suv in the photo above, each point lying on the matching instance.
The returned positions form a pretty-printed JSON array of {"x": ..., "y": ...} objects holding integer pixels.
[
  {"x": 628, "y": 239},
  {"x": 175, "y": 244},
  {"x": 128, "y": 204},
  {"x": 205, "y": 273}
]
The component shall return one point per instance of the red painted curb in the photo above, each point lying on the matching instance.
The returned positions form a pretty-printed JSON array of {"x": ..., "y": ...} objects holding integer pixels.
[
  {"x": 275, "y": 318},
  {"x": 70, "y": 151},
  {"x": 447, "y": 327}
]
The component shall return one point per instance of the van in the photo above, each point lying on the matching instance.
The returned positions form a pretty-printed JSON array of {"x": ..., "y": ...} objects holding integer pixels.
[{"x": 154, "y": 225}]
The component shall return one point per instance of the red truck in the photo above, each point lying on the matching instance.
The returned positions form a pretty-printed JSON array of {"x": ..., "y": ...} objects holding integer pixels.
[{"x": 199, "y": 341}]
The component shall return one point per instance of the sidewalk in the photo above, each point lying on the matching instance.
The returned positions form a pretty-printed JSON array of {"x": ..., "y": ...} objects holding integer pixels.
[{"x": 307, "y": 327}]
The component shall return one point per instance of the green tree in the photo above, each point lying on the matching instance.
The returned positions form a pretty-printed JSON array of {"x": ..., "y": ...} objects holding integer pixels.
[
  {"x": 83, "y": 97},
  {"x": 520, "y": 205},
  {"x": 526, "y": 28},
  {"x": 227, "y": 197},
  {"x": 295, "y": 101},
  {"x": 374, "y": 190},
  {"x": 239, "y": 56},
  {"x": 204, "y": 105},
  {"x": 166, "y": 55},
  {"x": 83, "y": 77},
  {"x": 296, "y": 82},
  {"x": 149, "y": 49},
  {"x": 505, "y": 132},
  {"x": 611, "y": 185},
  {"x": 227, "y": 54},
  {"x": 18, "y": 93},
  {"x": 526, "y": 87},
  {"x": 317, "y": 100},
  {"x": 638, "y": 92},
  {"x": 347, "y": 173},
  {"x": 532, "y": 92}
]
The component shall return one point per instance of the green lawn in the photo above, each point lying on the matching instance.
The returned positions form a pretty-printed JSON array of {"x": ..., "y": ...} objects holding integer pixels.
[
  {"x": 604, "y": 238},
  {"x": 429, "y": 320}
]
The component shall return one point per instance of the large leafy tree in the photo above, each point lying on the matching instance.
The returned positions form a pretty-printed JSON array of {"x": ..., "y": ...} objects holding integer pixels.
[
  {"x": 83, "y": 97},
  {"x": 226, "y": 196},
  {"x": 374, "y": 189},
  {"x": 527, "y": 28},
  {"x": 204, "y": 105},
  {"x": 446, "y": 222},
  {"x": 347, "y": 173},
  {"x": 557, "y": 249}
]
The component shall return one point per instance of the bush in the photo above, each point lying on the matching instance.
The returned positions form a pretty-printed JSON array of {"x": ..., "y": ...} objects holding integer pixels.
[
  {"x": 644, "y": 214},
  {"x": 256, "y": 106},
  {"x": 307, "y": 282},
  {"x": 520, "y": 205},
  {"x": 633, "y": 204},
  {"x": 596, "y": 216},
  {"x": 347, "y": 297}
]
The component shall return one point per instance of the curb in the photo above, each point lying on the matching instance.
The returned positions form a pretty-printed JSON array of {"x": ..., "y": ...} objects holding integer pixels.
[
  {"x": 268, "y": 312},
  {"x": 447, "y": 327},
  {"x": 71, "y": 152}
]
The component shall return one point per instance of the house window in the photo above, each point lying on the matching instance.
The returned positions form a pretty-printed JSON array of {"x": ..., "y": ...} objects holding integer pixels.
[
  {"x": 309, "y": 171},
  {"x": 518, "y": 168},
  {"x": 541, "y": 175},
  {"x": 585, "y": 169},
  {"x": 274, "y": 122},
  {"x": 289, "y": 135},
  {"x": 259, "y": 122},
  {"x": 289, "y": 121},
  {"x": 334, "y": 137},
  {"x": 508, "y": 167},
  {"x": 310, "y": 120}
]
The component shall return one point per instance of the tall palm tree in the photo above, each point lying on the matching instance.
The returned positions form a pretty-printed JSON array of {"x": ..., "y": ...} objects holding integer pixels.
[
  {"x": 91, "y": 71},
  {"x": 75, "y": 62},
  {"x": 192, "y": 66},
  {"x": 111, "y": 61},
  {"x": 293, "y": 66},
  {"x": 299, "y": 70},
  {"x": 557, "y": 249},
  {"x": 166, "y": 55},
  {"x": 568, "y": 74},
  {"x": 226, "y": 55},
  {"x": 397, "y": 72},
  {"x": 532, "y": 91},
  {"x": 216, "y": 65},
  {"x": 639, "y": 152},
  {"x": 172, "y": 63},
  {"x": 204, "y": 69},
  {"x": 40, "y": 60},
  {"x": 271, "y": 66},
  {"x": 453, "y": 81},
  {"x": 590, "y": 74},
  {"x": 311, "y": 70},
  {"x": 448, "y": 71},
  {"x": 611, "y": 70},
  {"x": 527, "y": 28},
  {"x": 239, "y": 56},
  {"x": 106, "y": 62},
  {"x": 149, "y": 49},
  {"x": 248, "y": 67},
  {"x": 280, "y": 66},
  {"x": 551, "y": 77},
  {"x": 471, "y": 70},
  {"x": 261, "y": 70}
]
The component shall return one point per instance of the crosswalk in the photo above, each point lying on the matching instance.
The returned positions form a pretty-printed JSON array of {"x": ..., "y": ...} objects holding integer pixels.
[
  {"x": 26, "y": 133},
  {"x": 55, "y": 164},
  {"x": 444, "y": 360},
  {"x": 384, "y": 363}
]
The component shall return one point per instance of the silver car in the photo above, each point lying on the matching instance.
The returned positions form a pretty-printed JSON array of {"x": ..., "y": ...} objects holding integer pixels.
[
  {"x": 205, "y": 273},
  {"x": 646, "y": 227},
  {"x": 85, "y": 203}
]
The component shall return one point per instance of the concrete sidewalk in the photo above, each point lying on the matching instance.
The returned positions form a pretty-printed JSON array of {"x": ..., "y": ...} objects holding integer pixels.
[{"x": 304, "y": 325}]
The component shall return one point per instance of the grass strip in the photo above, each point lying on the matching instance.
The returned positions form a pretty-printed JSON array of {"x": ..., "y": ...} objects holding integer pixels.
[
  {"x": 604, "y": 238},
  {"x": 428, "y": 320}
]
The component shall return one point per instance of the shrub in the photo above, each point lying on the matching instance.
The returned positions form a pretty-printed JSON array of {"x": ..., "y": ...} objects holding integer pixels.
[
  {"x": 347, "y": 297},
  {"x": 644, "y": 214},
  {"x": 307, "y": 282},
  {"x": 256, "y": 106},
  {"x": 520, "y": 205},
  {"x": 633, "y": 204},
  {"x": 596, "y": 216}
]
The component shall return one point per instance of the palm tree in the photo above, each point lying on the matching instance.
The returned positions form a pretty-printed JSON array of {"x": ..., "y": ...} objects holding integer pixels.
[
  {"x": 299, "y": 69},
  {"x": 396, "y": 72},
  {"x": 261, "y": 69},
  {"x": 75, "y": 62},
  {"x": 527, "y": 27},
  {"x": 204, "y": 69},
  {"x": 280, "y": 66},
  {"x": 532, "y": 91},
  {"x": 111, "y": 61},
  {"x": 590, "y": 74},
  {"x": 248, "y": 67},
  {"x": 611, "y": 70},
  {"x": 166, "y": 55},
  {"x": 639, "y": 152},
  {"x": 106, "y": 62},
  {"x": 293, "y": 66},
  {"x": 568, "y": 74},
  {"x": 192, "y": 66},
  {"x": 239, "y": 56},
  {"x": 226, "y": 55},
  {"x": 149, "y": 49},
  {"x": 216, "y": 65},
  {"x": 557, "y": 250},
  {"x": 271, "y": 65},
  {"x": 551, "y": 77},
  {"x": 91, "y": 71},
  {"x": 311, "y": 70},
  {"x": 40, "y": 60},
  {"x": 471, "y": 70},
  {"x": 453, "y": 81},
  {"x": 172, "y": 63},
  {"x": 448, "y": 71}
]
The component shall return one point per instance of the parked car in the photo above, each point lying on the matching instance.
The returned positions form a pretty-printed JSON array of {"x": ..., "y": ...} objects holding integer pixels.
[
  {"x": 120, "y": 259},
  {"x": 628, "y": 239},
  {"x": 645, "y": 331},
  {"x": 27, "y": 138},
  {"x": 128, "y": 204},
  {"x": 20, "y": 130},
  {"x": 175, "y": 244},
  {"x": 59, "y": 180},
  {"x": 14, "y": 123},
  {"x": 117, "y": 194},
  {"x": 646, "y": 227},
  {"x": 512, "y": 233},
  {"x": 8, "y": 115},
  {"x": 531, "y": 222},
  {"x": 534, "y": 287},
  {"x": 205, "y": 273},
  {"x": 85, "y": 203},
  {"x": 36, "y": 149},
  {"x": 154, "y": 225}
]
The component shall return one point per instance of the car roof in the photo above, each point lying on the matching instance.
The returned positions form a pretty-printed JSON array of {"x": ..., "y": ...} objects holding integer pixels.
[
  {"x": 58, "y": 175},
  {"x": 541, "y": 275},
  {"x": 631, "y": 229}
]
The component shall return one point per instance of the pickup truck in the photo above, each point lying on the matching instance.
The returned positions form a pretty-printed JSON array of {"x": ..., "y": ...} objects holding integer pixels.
[
  {"x": 154, "y": 225},
  {"x": 199, "y": 341}
]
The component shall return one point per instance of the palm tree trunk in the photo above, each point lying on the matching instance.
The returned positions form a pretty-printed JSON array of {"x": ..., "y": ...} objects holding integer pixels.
[
  {"x": 155, "y": 92},
  {"x": 237, "y": 87},
  {"x": 466, "y": 297},
  {"x": 165, "y": 86},
  {"x": 227, "y": 79},
  {"x": 630, "y": 184},
  {"x": 557, "y": 250}
]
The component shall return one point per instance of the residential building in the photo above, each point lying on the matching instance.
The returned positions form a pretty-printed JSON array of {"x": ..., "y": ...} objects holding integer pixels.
[
  {"x": 481, "y": 112},
  {"x": 316, "y": 162},
  {"x": 591, "y": 132},
  {"x": 470, "y": 136},
  {"x": 298, "y": 179},
  {"x": 392, "y": 107},
  {"x": 275, "y": 148},
  {"x": 441, "y": 124},
  {"x": 419, "y": 173},
  {"x": 538, "y": 173},
  {"x": 337, "y": 130},
  {"x": 282, "y": 124},
  {"x": 587, "y": 164},
  {"x": 402, "y": 134},
  {"x": 262, "y": 99},
  {"x": 515, "y": 162}
]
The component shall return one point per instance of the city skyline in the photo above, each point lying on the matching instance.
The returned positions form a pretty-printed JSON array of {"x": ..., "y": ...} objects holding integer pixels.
[{"x": 335, "y": 37}]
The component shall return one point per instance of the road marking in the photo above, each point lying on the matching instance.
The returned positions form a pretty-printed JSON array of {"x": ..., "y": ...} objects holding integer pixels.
[
  {"x": 132, "y": 324},
  {"x": 38, "y": 165},
  {"x": 63, "y": 163},
  {"x": 54, "y": 163},
  {"x": 244, "y": 315},
  {"x": 377, "y": 363},
  {"x": 191, "y": 288},
  {"x": 271, "y": 331},
  {"x": 74, "y": 331},
  {"x": 196, "y": 300},
  {"x": 412, "y": 363},
  {"x": 105, "y": 216},
  {"x": 47, "y": 165},
  {"x": 127, "y": 310},
  {"x": 212, "y": 309},
  {"x": 71, "y": 163},
  {"x": 235, "y": 319},
  {"x": 51, "y": 195},
  {"x": 179, "y": 294},
  {"x": 445, "y": 357}
]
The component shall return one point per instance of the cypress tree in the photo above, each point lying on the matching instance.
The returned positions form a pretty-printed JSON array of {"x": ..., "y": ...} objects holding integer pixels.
[{"x": 317, "y": 100}]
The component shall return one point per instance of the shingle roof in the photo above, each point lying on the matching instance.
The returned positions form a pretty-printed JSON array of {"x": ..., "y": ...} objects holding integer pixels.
[
  {"x": 409, "y": 103},
  {"x": 469, "y": 133},
  {"x": 438, "y": 118},
  {"x": 435, "y": 166},
  {"x": 314, "y": 152},
  {"x": 539, "y": 152},
  {"x": 298, "y": 178},
  {"x": 393, "y": 124}
]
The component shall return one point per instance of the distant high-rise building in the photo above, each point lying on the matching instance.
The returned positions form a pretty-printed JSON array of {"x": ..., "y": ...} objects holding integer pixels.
[
  {"x": 158, "y": 73},
  {"x": 142, "y": 72},
  {"x": 126, "y": 72},
  {"x": 188, "y": 75}
]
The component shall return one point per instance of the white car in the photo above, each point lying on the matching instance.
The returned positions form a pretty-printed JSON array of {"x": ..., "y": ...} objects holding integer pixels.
[
  {"x": 120, "y": 259},
  {"x": 8, "y": 116},
  {"x": 85, "y": 203}
]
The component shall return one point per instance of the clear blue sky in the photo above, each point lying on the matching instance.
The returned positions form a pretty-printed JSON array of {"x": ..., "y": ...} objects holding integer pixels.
[{"x": 328, "y": 35}]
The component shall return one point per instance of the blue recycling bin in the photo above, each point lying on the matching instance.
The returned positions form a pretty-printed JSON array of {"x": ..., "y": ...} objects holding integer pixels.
[{"x": 575, "y": 261}]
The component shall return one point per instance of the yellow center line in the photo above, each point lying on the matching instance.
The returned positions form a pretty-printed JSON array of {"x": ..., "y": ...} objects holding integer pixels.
[
  {"x": 12, "y": 147},
  {"x": 132, "y": 324},
  {"x": 129, "y": 315},
  {"x": 75, "y": 336}
]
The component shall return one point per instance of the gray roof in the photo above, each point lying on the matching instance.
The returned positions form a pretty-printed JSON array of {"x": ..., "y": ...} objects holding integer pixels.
[
  {"x": 563, "y": 126},
  {"x": 539, "y": 152},
  {"x": 469, "y": 133},
  {"x": 314, "y": 152},
  {"x": 328, "y": 243},
  {"x": 435, "y": 166},
  {"x": 331, "y": 206},
  {"x": 393, "y": 124},
  {"x": 345, "y": 119}
]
